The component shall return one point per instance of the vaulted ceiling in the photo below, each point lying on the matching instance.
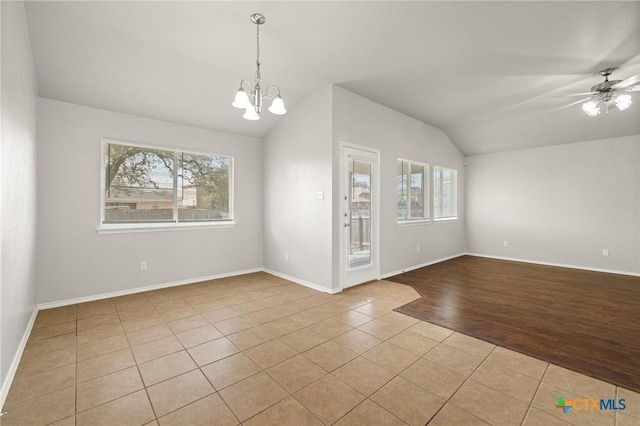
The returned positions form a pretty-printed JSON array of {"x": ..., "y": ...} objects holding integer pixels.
[{"x": 487, "y": 73}]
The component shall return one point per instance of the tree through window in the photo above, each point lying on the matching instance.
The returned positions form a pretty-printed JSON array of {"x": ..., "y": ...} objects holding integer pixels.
[{"x": 145, "y": 184}]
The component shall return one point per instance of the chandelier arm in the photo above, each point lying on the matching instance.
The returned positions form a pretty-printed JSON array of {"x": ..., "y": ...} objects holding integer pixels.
[
  {"x": 248, "y": 88},
  {"x": 268, "y": 96}
]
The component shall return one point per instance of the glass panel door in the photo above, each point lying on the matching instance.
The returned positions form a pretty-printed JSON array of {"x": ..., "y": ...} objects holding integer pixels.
[
  {"x": 360, "y": 171},
  {"x": 359, "y": 243}
]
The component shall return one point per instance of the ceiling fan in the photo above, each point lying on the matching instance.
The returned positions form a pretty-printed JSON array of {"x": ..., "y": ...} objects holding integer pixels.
[{"x": 606, "y": 94}]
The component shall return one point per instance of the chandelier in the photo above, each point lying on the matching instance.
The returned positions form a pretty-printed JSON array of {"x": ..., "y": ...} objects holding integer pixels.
[{"x": 251, "y": 98}]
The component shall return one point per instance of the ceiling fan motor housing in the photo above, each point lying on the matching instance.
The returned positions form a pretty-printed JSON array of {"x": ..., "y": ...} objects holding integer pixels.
[
  {"x": 605, "y": 86},
  {"x": 606, "y": 89}
]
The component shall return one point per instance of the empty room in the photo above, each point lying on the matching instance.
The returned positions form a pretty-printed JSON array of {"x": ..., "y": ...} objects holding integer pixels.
[{"x": 319, "y": 213}]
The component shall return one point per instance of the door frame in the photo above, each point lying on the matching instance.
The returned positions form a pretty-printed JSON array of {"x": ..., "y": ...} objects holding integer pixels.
[{"x": 375, "y": 211}]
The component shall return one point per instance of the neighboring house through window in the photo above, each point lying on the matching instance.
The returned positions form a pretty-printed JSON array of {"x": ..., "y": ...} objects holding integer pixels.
[{"x": 150, "y": 184}]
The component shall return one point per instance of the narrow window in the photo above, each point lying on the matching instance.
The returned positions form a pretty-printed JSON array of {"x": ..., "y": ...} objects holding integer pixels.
[
  {"x": 445, "y": 193},
  {"x": 412, "y": 193}
]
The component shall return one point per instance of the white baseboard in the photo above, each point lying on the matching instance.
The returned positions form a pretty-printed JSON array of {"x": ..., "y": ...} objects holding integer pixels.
[
  {"x": 301, "y": 282},
  {"x": 6, "y": 385},
  {"x": 422, "y": 265},
  {"x": 101, "y": 296},
  {"x": 561, "y": 265}
]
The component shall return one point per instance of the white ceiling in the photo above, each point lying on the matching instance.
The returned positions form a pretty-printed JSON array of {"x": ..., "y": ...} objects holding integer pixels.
[{"x": 487, "y": 73}]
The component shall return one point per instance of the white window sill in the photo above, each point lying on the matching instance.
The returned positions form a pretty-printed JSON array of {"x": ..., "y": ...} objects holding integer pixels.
[
  {"x": 125, "y": 228},
  {"x": 413, "y": 222},
  {"x": 446, "y": 219}
]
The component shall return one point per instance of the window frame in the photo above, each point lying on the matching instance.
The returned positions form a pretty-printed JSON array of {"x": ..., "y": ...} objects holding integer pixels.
[
  {"x": 445, "y": 218},
  {"x": 174, "y": 224},
  {"x": 426, "y": 193}
]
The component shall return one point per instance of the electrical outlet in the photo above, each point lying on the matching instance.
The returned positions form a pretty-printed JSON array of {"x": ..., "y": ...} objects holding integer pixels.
[
  {"x": 505, "y": 243},
  {"x": 605, "y": 252},
  {"x": 418, "y": 249},
  {"x": 143, "y": 265},
  {"x": 286, "y": 257}
]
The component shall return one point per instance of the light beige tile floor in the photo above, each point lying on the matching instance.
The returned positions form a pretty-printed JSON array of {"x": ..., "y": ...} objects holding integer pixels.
[{"x": 259, "y": 350}]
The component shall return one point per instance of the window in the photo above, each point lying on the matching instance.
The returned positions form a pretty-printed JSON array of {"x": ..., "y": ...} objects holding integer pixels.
[
  {"x": 445, "y": 193},
  {"x": 145, "y": 184},
  {"x": 412, "y": 190}
]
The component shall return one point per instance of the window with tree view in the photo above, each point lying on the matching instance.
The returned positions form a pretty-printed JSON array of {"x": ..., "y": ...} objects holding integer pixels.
[
  {"x": 411, "y": 185},
  {"x": 146, "y": 184}
]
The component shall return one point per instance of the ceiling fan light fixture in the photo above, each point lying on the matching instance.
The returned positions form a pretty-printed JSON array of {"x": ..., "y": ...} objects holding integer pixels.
[
  {"x": 606, "y": 94},
  {"x": 591, "y": 108},
  {"x": 623, "y": 101}
]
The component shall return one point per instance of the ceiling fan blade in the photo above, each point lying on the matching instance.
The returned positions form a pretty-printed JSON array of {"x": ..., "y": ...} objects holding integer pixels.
[
  {"x": 628, "y": 82},
  {"x": 571, "y": 104},
  {"x": 577, "y": 94},
  {"x": 633, "y": 89}
]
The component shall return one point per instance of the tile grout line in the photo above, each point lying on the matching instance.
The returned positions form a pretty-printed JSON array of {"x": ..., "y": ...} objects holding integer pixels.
[
  {"x": 116, "y": 371},
  {"x": 146, "y": 391},
  {"x": 184, "y": 348},
  {"x": 292, "y": 394},
  {"x": 368, "y": 398},
  {"x": 463, "y": 383},
  {"x": 535, "y": 394}
]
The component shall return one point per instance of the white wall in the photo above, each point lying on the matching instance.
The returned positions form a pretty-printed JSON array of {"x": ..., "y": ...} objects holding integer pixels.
[
  {"x": 560, "y": 204},
  {"x": 17, "y": 186},
  {"x": 75, "y": 261},
  {"x": 297, "y": 165},
  {"x": 360, "y": 121}
]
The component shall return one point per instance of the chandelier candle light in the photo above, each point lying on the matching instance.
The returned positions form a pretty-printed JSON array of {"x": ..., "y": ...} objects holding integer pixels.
[{"x": 253, "y": 105}]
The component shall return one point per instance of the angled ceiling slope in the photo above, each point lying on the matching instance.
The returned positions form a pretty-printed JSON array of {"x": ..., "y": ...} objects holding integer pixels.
[{"x": 487, "y": 73}]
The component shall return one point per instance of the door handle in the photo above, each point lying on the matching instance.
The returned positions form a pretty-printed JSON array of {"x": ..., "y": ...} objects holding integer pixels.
[{"x": 347, "y": 224}]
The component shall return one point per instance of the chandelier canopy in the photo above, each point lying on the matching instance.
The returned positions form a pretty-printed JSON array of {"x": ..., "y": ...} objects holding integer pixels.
[{"x": 251, "y": 98}]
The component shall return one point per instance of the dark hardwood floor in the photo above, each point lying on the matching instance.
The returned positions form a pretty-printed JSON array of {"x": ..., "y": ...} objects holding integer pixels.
[{"x": 585, "y": 321}]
